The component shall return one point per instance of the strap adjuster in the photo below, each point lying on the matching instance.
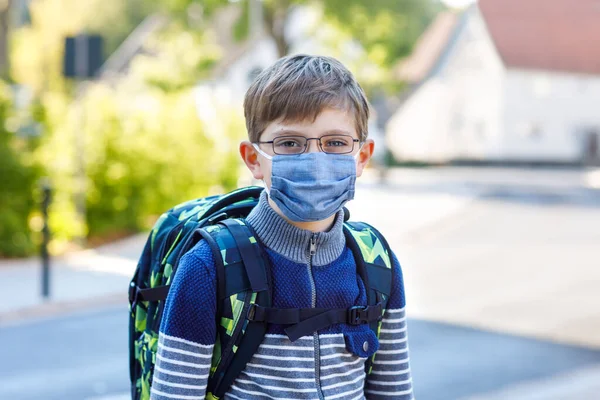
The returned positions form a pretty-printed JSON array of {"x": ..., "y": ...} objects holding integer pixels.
[
  {"x": 358, "y": 315},
  {"x": 251, "y": 312},
  {"x": 133, "y": 293}
]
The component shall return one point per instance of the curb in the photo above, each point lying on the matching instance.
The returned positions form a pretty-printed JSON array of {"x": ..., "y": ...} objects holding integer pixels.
[{"x": 60, "y": 308}]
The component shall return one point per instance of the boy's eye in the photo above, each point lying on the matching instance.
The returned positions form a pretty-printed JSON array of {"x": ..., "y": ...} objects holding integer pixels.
[
  {"x": 288, "y": 142},
  {"x": 335, "y": 141}
]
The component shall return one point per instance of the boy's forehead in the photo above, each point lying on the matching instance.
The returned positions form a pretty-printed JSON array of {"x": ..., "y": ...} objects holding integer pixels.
[{"x": 329, "y": 121}]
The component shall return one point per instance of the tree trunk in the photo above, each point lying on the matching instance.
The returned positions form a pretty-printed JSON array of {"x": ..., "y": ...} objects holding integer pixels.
[
  {"x": 275, "y": 18},
  {"x": 4, "y": 31}
]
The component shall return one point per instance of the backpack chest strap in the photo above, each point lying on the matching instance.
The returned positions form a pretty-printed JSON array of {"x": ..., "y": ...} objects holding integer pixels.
[{"x": 305, "y": 321}]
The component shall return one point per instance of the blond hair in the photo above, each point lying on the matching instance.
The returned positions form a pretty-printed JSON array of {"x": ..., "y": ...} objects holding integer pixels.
[{"x": 299, "y": 87}]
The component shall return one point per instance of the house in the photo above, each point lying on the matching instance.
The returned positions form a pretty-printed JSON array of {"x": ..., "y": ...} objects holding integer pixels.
[{"x": 504, "y": 81}]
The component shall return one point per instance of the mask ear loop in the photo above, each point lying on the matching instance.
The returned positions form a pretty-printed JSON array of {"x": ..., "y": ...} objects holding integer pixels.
[
  {"x": 266, "y": 188},
  {"x": 262, "y": 153},
  {"x": 268, "y": 157},
  {"x": 357, "y": 155}
]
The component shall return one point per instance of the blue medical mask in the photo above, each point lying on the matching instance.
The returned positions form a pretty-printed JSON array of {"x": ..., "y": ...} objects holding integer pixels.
[{"x": 311, "y": 186}]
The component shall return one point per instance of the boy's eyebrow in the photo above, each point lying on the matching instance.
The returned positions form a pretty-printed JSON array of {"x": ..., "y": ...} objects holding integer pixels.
[{"x": 288, "y": 132}]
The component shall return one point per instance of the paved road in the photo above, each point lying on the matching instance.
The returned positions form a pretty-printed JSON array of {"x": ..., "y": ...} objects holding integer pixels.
[
  {"x": 512, "y": 266},
  {"x": 72, "y": 357},
  {"x": 84, "y": 356}
]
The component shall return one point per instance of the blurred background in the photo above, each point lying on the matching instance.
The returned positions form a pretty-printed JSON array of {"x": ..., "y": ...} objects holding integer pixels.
[{"x": 486, "y": 177}]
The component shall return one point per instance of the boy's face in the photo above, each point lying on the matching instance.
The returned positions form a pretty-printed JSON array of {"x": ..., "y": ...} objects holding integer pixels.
[{"x": 329, "y": 121}]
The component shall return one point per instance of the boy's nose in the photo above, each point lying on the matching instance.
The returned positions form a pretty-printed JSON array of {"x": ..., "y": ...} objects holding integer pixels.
[{"x": 313, "y": 146}]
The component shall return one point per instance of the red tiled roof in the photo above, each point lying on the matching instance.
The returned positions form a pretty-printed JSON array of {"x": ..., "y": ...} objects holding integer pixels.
[{"x": 554, "y": 35}]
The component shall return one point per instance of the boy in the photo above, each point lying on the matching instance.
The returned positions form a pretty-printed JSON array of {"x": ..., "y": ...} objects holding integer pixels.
[{"x": 307, "y": 123}]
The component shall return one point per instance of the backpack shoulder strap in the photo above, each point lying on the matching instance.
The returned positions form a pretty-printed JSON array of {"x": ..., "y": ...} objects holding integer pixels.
[
  {"x": 243, "y": 279},
  {"x": 374, "y": 265},
  {"x": 370, "y": 247}
]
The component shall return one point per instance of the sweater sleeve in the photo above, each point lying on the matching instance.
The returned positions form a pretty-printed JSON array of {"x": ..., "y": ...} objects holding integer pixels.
[
  {"x": 188, "y": 329},
  {"x": 391, "y": 377}
]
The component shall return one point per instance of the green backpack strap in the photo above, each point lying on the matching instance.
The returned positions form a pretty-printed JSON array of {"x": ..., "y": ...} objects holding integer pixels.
[
  {"x": 243, "y": 279},
  {"x": 374, "y": 265}
]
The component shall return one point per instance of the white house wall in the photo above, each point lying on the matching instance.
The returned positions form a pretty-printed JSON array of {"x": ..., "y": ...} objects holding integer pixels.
[
  {"x": 240, "y": 74},
  {"x": 456, "y": 112},
  {"x": 547, "y": 114}
]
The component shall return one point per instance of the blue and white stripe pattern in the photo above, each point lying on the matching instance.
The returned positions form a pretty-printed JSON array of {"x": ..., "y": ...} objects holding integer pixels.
[
  {"x": 331, "y": 363},
  {"x": 284, "y": 370},
  {"x": 181, "y": 369},
  {"x": 281, "y": 369},
  {"x": 390, "y": 377}
]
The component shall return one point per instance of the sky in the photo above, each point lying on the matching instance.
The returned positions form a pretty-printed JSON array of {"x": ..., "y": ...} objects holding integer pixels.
[{"x": 458, "y": 3}]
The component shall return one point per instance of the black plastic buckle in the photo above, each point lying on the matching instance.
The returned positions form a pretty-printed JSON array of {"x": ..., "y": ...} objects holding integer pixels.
[
  {"x": 251, "y": 312},
  {"x": 358, "y": 315}
]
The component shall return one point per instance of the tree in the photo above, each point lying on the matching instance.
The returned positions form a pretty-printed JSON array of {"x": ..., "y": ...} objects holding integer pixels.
[
  {"x": 387, "y": 29},
  {"x": 17, "y": 178},
  {"x": 5, "y": 7},
  {"x": 37, "y": 48},
  {"x": 145, "y": 147}
]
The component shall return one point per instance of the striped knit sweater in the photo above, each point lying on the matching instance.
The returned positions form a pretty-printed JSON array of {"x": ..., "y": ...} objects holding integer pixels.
[{"x": 326, "y": 365}]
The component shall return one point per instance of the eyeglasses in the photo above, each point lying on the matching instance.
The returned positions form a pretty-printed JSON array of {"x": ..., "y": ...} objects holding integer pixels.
[{"x": 330, "y": 144}]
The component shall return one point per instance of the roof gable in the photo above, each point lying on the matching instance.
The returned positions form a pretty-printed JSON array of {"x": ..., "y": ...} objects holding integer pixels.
[
  {"x": 553, "y": 35},
  {"x": 428, "y": 49}
]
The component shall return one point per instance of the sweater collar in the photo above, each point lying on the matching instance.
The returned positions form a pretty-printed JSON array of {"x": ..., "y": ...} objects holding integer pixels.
[{"x": 294, "y": 243}]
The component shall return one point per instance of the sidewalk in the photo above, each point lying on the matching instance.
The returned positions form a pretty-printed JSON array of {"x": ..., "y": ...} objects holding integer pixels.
[
  {"x": 77, "y": 281},
  {"x": 102, "y": 275}
]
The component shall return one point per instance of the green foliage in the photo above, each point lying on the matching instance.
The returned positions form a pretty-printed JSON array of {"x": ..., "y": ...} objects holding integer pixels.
[
  {"x": 241, "y": 29},
  {"x": 145, "y": 147},
  {"x": 180, "y": 8},
  {"x": 146, "y": 152},
  {"x": 178, "y": 59},
  {"x": 17, "y": 180},
  {"x": 37, "y": 49},
  {"x": 387, "y": 29}
]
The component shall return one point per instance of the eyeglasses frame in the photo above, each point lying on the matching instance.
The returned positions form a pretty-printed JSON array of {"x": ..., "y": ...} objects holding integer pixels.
[{"x": 318, "y": 139}]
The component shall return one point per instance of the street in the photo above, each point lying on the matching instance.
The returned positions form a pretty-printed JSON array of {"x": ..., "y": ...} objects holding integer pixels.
[
  {"x": 78, "y": 356},
  {"x": 502, "y": 291},
  {"x": 84, "y": 356}
]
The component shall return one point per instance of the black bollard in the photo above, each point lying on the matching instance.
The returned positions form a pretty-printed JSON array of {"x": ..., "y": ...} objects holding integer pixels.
[{"x": 46, "y": 190}]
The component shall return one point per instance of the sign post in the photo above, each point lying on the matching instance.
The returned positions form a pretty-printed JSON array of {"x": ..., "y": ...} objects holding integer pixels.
[
  {"x": 46, "y": 199},
  {"x": 83, "y": 59}
]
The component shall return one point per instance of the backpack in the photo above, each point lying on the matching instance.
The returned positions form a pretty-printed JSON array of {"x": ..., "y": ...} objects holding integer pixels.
[{"x": 243, "y": 286}]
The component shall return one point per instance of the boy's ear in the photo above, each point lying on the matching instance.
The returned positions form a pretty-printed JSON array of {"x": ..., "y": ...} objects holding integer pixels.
[
  {"x": 250, "y": 157},
  {"x": 364, "y": 155}
]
